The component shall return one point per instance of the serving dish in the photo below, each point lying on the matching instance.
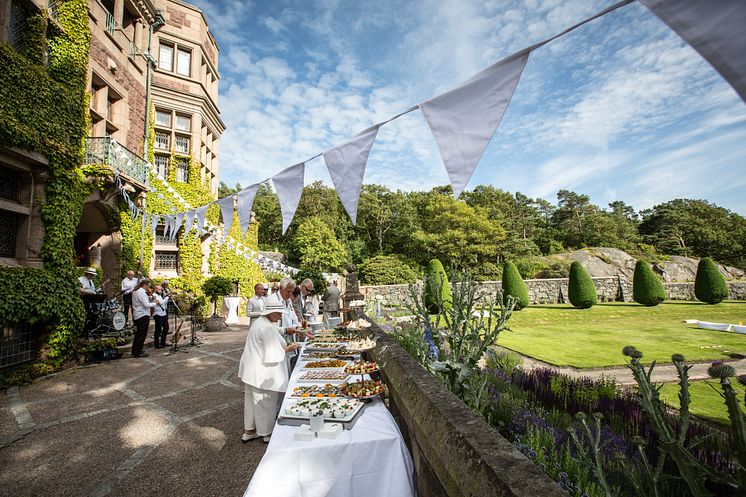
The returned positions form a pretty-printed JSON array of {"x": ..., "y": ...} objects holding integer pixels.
[
  {"x": 317, "y": 390},
  {"x": 366, "y": 389},
  {"x": 316, "y": 375},
  {"x": 340, "y": 410}
]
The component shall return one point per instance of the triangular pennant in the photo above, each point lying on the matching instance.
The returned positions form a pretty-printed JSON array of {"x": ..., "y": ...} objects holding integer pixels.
[
  {"x": 243, "y": 207},
  {"x": 289, "y": 186},
  {"x": 154, "y": 223},
  {"x": 464, "y": 119},
  {"x": 200, "y": 219},
  {"x": 177, "y": 224},
  {"x": 717, "y": 30},
  {"x": 346, "y": 164},
  {"x": 188, "y": 221},
  {"x": 226, "y": 209}
]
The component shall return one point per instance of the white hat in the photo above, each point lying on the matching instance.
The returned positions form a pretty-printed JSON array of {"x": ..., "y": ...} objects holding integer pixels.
[
  {"x": 90, "y": 270},
  {"x": 272, "y": 308}
]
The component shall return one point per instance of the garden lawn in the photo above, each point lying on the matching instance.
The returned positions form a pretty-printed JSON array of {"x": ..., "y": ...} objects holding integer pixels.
[
  {"x": 706, "y": 402},
  {"x": 591, "y": 338}
]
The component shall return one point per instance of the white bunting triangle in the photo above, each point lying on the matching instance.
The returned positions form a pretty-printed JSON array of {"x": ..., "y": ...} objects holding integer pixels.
[
  {"x": 188, "y": 222},
  {"x": 226, "y": 209},
  {"x": 464, "y": 119},
  {"x": 154, "y": 223},
  {"x": 289, "y": 186},
  {"x": 200, "y": 219},
  {"x": 717, "y": 30},
  {"x": 346, "y": 164},
  {"x": 245, "y": 200},
  {"x": 177, "y": 224}
]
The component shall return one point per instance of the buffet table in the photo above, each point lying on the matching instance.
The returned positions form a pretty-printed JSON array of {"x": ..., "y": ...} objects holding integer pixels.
[
  {"x": 369, "y": 460},
  {"x": 230, "y": 308}
]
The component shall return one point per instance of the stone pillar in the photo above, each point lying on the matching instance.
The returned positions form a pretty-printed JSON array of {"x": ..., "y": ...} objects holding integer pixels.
[
  {"x": 137, "y": 39},
  {"x": 118, "y": 12}
]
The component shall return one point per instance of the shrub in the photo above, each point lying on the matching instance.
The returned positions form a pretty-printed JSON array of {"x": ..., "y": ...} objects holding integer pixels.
[
  {"x": 505, "y": 360},
  {"x": 216, "y": 287},
  {"x": 647, "y": 288},
  {"x": 514, "y": 286},
  {"x": 387, "y": 270},
  {"x": 581, "y": 290},
  {"x": 436, "y": 280},
  {"x": 710, "y": 286}
]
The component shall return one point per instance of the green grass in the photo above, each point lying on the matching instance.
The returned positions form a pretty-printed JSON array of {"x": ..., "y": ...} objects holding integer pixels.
[
  {"x": 706, "y": 402},
  {"x": 592, "y": 338}
]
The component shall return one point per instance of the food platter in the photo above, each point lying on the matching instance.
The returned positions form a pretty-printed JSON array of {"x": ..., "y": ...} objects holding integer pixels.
[
  {"x": 322, "y": 346},
  {"x": 317, "y": 390},
  {"x": 326, "y": 364},
  {"x": 361, "y": 367},
  {"x": 366, "y": 389},
  {"x": 317, "y": 375},
  {"x": 340, "y": 410}
]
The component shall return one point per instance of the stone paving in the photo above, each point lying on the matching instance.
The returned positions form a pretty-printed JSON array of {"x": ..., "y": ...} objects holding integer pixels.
[{"x": 161, "y": 425}]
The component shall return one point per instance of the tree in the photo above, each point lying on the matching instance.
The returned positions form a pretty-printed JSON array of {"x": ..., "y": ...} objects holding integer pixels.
[
  {"x": 387, "y": 270},
  {"x": 224, "y": 190},
  {"x": 514, "y": 286},
  {"x": 571, "y": 218},
  {"x": 436, "y": 281},
  {"x": 709, "y": 284},
  {"x": 647, "y": 288},
  {"x": 581, "y": 290},
  {"x": 317, "y": 247},
  {"x": 215, "y": 287},
  {"x": 386, "y": 219},
  {"x": 267, "y": 209}
]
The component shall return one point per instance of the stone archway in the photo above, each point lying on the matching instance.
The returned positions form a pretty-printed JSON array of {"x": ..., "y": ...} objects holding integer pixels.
[{"x": 98, "y": 241}]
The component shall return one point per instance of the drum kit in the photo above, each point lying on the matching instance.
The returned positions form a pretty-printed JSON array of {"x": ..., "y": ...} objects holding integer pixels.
[{"x": 108, "y": 319}]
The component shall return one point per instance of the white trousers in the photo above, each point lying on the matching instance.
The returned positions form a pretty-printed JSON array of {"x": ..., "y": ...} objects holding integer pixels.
[{"x": 260, "y": 409}]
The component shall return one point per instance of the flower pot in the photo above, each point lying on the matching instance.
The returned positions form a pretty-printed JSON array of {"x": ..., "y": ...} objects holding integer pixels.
[{"x": 214, "y": 323}]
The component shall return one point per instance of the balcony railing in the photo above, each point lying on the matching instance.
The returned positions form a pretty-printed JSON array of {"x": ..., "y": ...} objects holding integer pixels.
[
  {"x": 111, "y": 23},
  {"x": 106, "y": 150}
]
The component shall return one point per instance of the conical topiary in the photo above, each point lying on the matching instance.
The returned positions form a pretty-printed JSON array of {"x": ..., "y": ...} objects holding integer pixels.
[
  {"x": 581, "y": 290},
  {"x": 436, "y": 279},
  {"x": 647, "y": 288},
  {"x": 514, "y": 286},
  {"x": 710, "y": 285}
]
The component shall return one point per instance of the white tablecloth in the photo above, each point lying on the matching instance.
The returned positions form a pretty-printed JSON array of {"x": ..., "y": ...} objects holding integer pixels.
[
  {"x": 371, "y": 460},
  {"x": 230, "y": 307}
]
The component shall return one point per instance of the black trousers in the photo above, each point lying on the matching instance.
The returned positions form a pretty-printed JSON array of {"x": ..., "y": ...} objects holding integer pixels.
[
  {"x": 161, "y": 330},
  {"x": 141, "y": 331},
  {"x": 127, "y": 301}
]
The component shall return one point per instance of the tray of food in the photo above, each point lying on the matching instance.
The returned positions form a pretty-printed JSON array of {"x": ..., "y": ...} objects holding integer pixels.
[
  {"x": 326, "y": 364},
  {"x": 316, "y": 375},
  {"x": 322, "y": 346},
  {"x": 340, "y": 410},
  {"x": 360, "y": 344},
  {"x": 319, "y": 355},
  {"x": 362, "y": 389},
  {"x": 361, "y": 367},
  {"x": 318, "y": 390}
]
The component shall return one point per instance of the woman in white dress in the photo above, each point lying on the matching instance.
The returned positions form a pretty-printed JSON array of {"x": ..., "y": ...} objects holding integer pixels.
[{"x": 264, "y": 373}]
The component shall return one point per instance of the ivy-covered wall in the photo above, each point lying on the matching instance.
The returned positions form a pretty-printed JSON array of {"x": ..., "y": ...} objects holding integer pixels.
[{"x": 44, "y": 110}]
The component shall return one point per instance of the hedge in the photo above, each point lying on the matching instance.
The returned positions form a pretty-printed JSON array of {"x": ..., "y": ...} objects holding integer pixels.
[{"x": 581, "y": 291}]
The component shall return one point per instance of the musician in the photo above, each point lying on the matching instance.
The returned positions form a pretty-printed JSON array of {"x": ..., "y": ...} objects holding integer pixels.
[
  {"x": 142, "y": 303},
  {"x": 129, "y": 285},
  {"x": 87, "y": 285},
  {"x": 160, "y": 316},
  {"x": 87, "y": 291}
]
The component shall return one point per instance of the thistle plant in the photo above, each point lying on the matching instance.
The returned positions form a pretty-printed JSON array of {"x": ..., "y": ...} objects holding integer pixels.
[
  {"x": 674, "y": 441},
  {"x": 460, "y": 330},
  {"x": 649, "y": 484},
  {"x": 723, "y": 372},
  {"x": 591, "y": 453}
]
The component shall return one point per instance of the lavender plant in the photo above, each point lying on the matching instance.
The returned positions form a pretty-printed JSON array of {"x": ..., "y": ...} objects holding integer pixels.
[{"x": 590, "y": 451}]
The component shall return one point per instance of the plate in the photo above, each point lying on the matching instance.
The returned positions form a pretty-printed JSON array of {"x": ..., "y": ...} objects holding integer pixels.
[
  {"x": 361, "y": 367},
  {"x": 317, "y": 375},
  {"x": 340, "y": 410},
  {"x": 326, "y": 364},
  {"x": 317, "y": 390},
  {"x": 374, "y": 388}
]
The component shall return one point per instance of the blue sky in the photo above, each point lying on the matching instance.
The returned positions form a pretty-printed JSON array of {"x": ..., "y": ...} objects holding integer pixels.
[{"x": 620, "y": 109}]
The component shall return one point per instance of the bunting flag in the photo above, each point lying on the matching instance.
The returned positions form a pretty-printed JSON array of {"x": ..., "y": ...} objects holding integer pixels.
[
  {"x": 289, "y": 186},
  {"x": 717, "y": 30},
  {"x": 244, "y": 204},
  {"x": 188, "y": 222},
  {"x": 226, "y": 209},
  {"x": 464, "y": 119},
  {"x": 179, "y": 218},
  {"x": 200, "y": 219},
  {"x": 346, "y": 164},
  {"x": 154, "y": 223}
]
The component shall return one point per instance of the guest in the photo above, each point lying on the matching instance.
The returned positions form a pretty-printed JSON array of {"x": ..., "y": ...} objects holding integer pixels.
[
  {"x": 264, "y": 373},
  {"x": 160, "y": 316},
  {"x": 331, "y": 299},
  {"x": 129, "y": 285},
  {"x": 255, "y": 305},
  {"x": 289, "y": 325},
  {"x": 305, "y": 289},
  {"x": 141, "y": 307}
]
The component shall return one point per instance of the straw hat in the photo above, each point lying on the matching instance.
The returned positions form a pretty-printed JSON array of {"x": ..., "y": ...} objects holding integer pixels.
[{"x": 90, "y": 270}]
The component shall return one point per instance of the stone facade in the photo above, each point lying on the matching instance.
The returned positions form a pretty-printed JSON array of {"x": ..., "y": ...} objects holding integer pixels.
[{"x": 553, "y": 291}]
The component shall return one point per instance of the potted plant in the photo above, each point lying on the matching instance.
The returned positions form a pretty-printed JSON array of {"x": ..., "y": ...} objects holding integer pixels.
[{"x": 214, "y": 288}]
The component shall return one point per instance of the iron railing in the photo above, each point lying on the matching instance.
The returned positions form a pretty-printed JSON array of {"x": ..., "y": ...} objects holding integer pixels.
[
  {"x": 107, "y": 151},
  {"x": 111, "y": 23}
]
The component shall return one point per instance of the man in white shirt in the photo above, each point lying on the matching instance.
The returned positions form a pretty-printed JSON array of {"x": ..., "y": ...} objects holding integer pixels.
[
  {"x": 141, "y": 308},
  {"x": 263, "y": 372},
  {"x": 255, "y": 305},
  {"x": 306, "y": 288},
  {"x": 87, "y": 290},
  {"x": 129, "y": 285},
  {"x": 160, "y": 317},
  {"x": 87, "y": 285}
]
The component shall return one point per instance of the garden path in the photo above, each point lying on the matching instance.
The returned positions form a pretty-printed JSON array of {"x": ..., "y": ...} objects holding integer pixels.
[{"x": 162, "y": 425}]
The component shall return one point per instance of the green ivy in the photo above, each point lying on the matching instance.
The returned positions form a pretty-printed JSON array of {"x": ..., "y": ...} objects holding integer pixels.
[{"x": 45, "y": 112}]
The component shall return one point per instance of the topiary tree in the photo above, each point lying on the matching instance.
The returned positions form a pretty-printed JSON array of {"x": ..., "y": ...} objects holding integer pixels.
[
  {"x": 581, "y": 290},
  {"x": 514, "y": 286},
  {"x": 436, "y": 280},
  {"x": 216, "y": 287},
  {"x": 710, "y": 285},
  {"x": 647, "y": 288}
]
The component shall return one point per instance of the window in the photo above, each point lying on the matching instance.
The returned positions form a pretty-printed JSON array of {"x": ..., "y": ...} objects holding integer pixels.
[
  {"x": 162, "y": 140},
  {"x": 162, "y": 240},
  {"x": 163, "y": 118},
  {"x": 8, "y": 229},
  {"x": 182, "y": 144},
  {"x": 17, "y": 344},
  {"x": 166, "y": 260},
  {"x": 166, "y": 57},
  {"x": 161, "y": 166},
  {"x": 17, "y": 27},
  {"x": 184, "y": 62},
  {"x": 9, "y": 184},
  {"x": 182, "y": 171},
  {"x": 183, "y": 123}
]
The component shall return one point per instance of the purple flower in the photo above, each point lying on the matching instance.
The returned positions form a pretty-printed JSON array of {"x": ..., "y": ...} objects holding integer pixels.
[{"x": 431, "y": 343}]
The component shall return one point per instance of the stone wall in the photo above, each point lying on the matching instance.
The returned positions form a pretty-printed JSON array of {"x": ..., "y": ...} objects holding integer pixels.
[
  {"x": 455, "y": 452},
  {"x": 553, "y": 291}
]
